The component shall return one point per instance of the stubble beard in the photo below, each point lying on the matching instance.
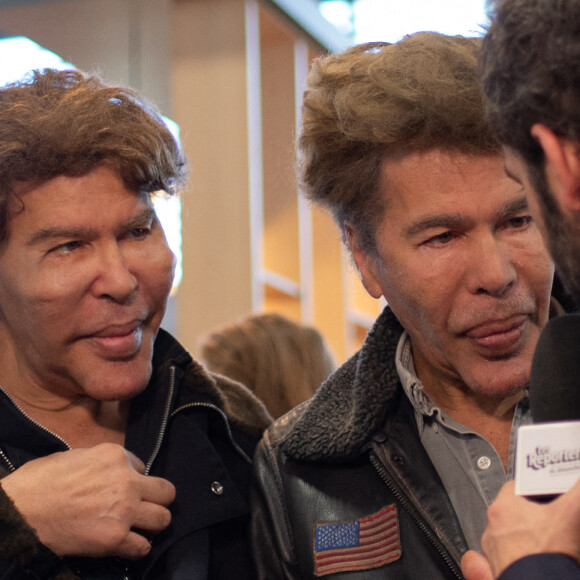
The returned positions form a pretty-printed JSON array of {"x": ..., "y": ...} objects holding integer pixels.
[{"x": 563, "y": 238}]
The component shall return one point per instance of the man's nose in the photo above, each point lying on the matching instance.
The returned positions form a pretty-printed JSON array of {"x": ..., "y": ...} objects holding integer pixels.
[
  {"x": 492, "y": 271},
  {"x": 113, "y": 278}
]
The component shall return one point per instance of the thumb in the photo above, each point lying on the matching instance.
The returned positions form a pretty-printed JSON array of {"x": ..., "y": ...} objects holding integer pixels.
[{"x": 474, "y": 566}]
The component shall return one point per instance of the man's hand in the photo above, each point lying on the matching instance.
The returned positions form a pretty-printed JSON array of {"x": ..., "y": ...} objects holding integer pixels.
[
  {"x": 518, "y": 527},
  {"x": 474, "y": 566},
  {"x": 88, "y": 502}
]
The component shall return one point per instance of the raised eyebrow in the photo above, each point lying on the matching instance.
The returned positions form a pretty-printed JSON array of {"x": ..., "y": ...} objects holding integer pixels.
[
  {"x": 513, "y": 207},
  {"x": 449, "y": 221},
  {"x": 456, "y": 221},
  {"x": 45, "y": 234},
  {"x": 146, "y": 216}
]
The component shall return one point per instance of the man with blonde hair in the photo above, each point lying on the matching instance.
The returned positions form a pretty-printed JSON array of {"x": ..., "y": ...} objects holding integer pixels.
[{"x": 388, "y": 470}]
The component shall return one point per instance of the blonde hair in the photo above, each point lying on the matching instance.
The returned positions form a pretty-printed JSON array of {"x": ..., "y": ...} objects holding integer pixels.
[
  {"x": 281, "y": 361},
  {"x": 382, "y": 100}
]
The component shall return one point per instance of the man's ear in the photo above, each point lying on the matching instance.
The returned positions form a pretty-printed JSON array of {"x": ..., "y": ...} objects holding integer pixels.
[
  {"x": 562, "y": 166},
  {"x": 365, "y": 263}
]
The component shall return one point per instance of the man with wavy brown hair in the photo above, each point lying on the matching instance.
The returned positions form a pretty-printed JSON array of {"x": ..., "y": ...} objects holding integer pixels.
[
  {"x": 120, "y": 456},
  {"x": 388, "y": 470}
]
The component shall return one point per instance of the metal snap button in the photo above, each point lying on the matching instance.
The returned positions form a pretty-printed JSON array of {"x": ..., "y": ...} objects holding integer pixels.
[{"x": 217, "y": 488}]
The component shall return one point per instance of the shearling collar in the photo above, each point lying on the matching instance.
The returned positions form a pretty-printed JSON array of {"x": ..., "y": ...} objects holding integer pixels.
[{"x": 352, "y": 403}]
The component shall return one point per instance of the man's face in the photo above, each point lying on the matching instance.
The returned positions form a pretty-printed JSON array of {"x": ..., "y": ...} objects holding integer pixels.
[
  {"x": 559, "y": 233},
  {"x": 84, "y": 278},
  {"x": 464, "y": 269}
]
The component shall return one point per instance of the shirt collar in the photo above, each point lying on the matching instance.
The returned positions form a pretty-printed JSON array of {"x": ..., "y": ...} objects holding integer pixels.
[{"x": 419, "y": 399}]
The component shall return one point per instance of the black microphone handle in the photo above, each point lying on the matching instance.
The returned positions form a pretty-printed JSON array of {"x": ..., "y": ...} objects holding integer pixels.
[{"x": 555, "y": 377}]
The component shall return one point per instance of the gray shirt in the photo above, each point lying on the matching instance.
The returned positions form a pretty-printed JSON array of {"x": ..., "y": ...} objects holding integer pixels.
[{"x": 469, "y": 466}]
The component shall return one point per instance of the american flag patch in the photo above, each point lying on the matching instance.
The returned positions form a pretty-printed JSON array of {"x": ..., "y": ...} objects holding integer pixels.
[{"x": 369, "y": 542}]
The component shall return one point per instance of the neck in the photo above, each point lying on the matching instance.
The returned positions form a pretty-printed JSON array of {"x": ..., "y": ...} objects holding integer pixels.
[
  {"x": 469, "y": 408},
  {"x": 81, "y": 422},
  {"x": 490, "y": 416},
  {"x": 61, "y": 407}
]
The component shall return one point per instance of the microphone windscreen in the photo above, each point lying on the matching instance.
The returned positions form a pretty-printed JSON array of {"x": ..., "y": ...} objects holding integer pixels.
[{"x": 555, "y": 378}]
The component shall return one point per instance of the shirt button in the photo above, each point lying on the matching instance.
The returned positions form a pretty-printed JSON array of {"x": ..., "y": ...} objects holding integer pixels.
[
  {"x": 217, "y": 488},
  {"x": 484, "y": 463}
]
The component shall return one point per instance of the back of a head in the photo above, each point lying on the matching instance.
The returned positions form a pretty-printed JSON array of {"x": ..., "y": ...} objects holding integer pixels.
[
  {"x": 281, "y": 361},
  {"x": 529, "y": 67},
  {"x": 381, "y": 100},
  {"x": 67, "y": 122}
]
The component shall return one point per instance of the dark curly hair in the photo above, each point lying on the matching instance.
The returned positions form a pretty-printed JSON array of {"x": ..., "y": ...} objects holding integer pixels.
[
  {"x": 529, "y": 71},
  {"x": 67, "y": 122}
]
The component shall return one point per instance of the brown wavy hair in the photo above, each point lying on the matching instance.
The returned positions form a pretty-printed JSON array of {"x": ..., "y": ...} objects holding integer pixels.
[
  {"x": 378, "y": 101},
  {"x": 281, "y": 361},
  {"x": 67, "y": 122}
]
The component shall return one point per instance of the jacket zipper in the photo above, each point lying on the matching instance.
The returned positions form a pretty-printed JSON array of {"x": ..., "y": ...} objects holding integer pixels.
[
  {"x": 414, "y": 516},
  {"x": 35, "y": 423},
  {"x": 167, "y": 414},
  {"x": 7, "y": 461},
  {"x": 226, "y": 423},
  {"x": 159, "y": 436},
  {"x": 165, "y": 420}
]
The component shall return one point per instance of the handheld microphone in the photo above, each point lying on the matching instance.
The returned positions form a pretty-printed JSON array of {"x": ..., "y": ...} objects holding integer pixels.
[{"x": 548, "y": 452}]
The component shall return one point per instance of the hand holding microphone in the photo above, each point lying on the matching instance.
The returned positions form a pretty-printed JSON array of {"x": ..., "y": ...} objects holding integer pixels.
[
  {"x": 547, "y": 466},
  {"x": 518, "y": 527}
]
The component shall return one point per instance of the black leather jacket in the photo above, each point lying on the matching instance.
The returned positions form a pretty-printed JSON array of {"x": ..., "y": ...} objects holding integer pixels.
[
  {"x": 345, "y": 455},
  {"x": 196, "y": 429}
]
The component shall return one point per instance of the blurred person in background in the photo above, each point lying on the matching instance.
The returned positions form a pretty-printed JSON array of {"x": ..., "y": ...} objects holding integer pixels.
[{"x": 283, "y": 362}]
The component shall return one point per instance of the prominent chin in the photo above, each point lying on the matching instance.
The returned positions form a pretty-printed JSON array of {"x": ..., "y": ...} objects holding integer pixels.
[
  {"x": 120, "y": 382},
  {"x": 502, "y": 385}
]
